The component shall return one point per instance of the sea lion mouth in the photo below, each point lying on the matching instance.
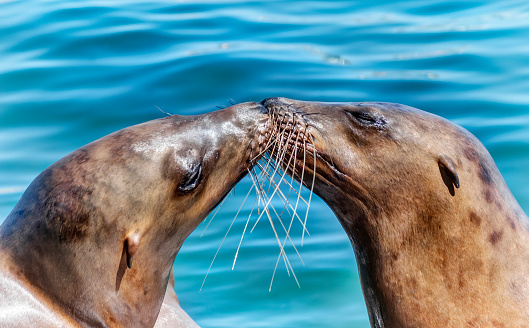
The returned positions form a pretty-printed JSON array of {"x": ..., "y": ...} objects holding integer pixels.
[{"x": 292, "y": 143}]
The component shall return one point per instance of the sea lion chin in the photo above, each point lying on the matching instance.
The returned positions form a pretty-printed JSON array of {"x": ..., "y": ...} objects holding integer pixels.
[
  {"x": 93, "y": 239},
  {"x": 439, "y": 239}
]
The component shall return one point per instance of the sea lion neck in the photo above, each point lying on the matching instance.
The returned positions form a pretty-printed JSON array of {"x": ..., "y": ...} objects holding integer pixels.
[
  {"x": 70, "y": 243},
  {"x": 457, "y": 252}
]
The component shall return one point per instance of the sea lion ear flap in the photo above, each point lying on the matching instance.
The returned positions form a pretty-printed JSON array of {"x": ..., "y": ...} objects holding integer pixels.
[
  {"x": 448, "y": 172},
  {"x": 132, "y": 243}
]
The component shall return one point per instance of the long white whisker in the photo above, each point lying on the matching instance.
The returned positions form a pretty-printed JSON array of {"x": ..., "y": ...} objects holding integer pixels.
[
  {"x": 284, "y": 199},
  {"x": 286, "y": 231},
  {"x": 270, "y": 199},
  {"x": 279, "y": 154},
  {"x": 214, "y": 214},
  {"x": 311, "y": 191},
  {"x": 284, "y": 143},
  {"x": 300, "y": 187},
  {"x": 282, "y": 250},
  {"x": 223, "y": 239},
  {"x": 294, "y": 211},
  {"x": 295, "y": 152},
  {"x": 245, "y": 226},
  {"x": 265, "y": 210}
]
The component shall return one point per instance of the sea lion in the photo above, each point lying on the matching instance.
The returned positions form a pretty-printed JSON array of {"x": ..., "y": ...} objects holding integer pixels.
[
  {"x": 92, "y": 240},
  {"x": 439, "y": 239}
]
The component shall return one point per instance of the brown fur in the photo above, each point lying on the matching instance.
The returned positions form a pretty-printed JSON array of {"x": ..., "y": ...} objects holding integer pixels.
[
  {"x": 92, "y": 241},
  {"x": 429, "y": 254}
]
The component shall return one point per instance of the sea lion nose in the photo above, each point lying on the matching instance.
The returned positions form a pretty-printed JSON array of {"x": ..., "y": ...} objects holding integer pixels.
[
  {"x": 273, "y": 101},
  {"x": 266, "y": 102}
]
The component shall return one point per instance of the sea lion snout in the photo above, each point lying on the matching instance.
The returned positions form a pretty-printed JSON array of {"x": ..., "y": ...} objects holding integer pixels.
[{"x": 270, "y": 101}]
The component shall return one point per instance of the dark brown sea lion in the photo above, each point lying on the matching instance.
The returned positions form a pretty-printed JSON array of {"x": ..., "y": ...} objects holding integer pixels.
[
  {"x": 439, "y": 239},
  {"x": 92, "y": 241}
]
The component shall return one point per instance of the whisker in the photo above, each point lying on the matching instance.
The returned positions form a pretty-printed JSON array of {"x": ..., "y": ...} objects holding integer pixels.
[
  {"x": 287, "y": 203},
  {"x": 264, "y": 170},
  {"x": 293, "y": 166},
  {"x": 302, "y": 175},
  {"x": 282, "y": 251},
  {"x": 270, "y": 199},
  {"x": 301, "y": 186},
  {"x": 274, "y": 273},
  {"x": 284, "y": 198},
  {"x": 272, "y": 224},
  {"x": 161, "y": 110},
  {"x": 283, "y": 154},
  {"x": 286, "y": 231},
  {"x": 292, "y": 219},
  {"x": 223, "y": 239},
  {"x": 271, "y": 139},
  {"x": 243, "y": 232},
  {"x": 214, "y": 214},
  {"x": 311, "y": 190}
]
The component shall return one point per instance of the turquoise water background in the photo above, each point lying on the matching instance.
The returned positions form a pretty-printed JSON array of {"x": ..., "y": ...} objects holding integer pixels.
[{"x": 73, "y": 71}]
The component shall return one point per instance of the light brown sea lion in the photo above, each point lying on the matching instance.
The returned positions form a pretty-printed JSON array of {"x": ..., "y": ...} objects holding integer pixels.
[
  {"x": 92, "y": 241},
  {"x": 439, "y": 239}
]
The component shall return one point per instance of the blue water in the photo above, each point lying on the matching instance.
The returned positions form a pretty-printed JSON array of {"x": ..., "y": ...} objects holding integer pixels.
[{"x": 73, "y": 71}]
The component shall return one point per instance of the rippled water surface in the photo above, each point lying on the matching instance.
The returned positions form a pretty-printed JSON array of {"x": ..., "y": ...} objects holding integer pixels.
[{"x": 73, "y": 71}]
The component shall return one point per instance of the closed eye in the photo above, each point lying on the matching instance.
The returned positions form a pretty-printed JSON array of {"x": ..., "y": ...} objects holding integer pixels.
[
  {"x": 366, "y": 118},
  {"x": 193, "y": 178}
]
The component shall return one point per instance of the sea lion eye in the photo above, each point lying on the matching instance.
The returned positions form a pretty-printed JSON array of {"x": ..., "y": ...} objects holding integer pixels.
[
  {"x": 366, "y": 118},
  {"x": 363, "y": 117},
  {"x": 192, "y": 178}
]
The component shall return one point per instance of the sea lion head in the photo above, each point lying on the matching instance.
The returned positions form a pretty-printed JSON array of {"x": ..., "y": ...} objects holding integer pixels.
[
  {"x": 371, "y": 155},
  {"x": 198, "y": 159}
]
